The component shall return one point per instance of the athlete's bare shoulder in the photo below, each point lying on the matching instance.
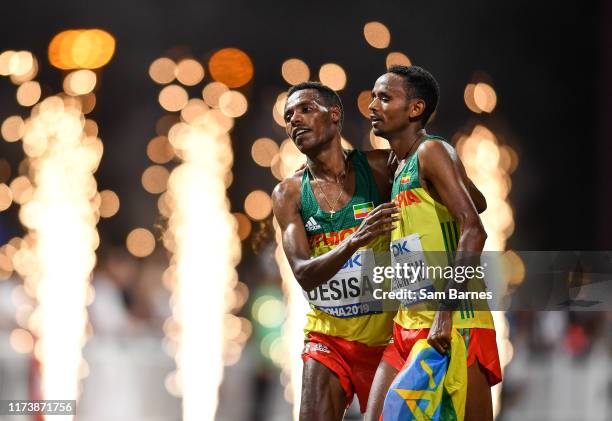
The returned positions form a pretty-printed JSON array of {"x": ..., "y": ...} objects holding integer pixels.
[
  {"x": 287, "y": 193},
  {"x": 436, "y": 149}
]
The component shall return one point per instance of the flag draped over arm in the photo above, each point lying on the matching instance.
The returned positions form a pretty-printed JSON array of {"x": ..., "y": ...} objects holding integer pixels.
[{"x": 430, "y": 386}]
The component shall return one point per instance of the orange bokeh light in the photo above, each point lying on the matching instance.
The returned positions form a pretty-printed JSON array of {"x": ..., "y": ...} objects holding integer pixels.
[
  {"x": 363, "y": 102},
  {"x": 231, "y": 66},
  {"x": 81, "y": 49}
]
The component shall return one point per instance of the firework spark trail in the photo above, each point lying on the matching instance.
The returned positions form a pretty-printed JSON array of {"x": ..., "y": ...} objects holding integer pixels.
[
  {"x": 206, "y": 250},
  {"x": 62, "y": 217}
]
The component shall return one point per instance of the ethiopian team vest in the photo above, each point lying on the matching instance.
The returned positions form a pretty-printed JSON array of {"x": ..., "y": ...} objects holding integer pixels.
[
  {"x": 427, "y": 226},
  {"x": 344, "y": 306}
]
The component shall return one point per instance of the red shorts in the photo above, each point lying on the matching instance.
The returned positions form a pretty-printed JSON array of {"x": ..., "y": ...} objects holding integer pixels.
[
  {"x": 353, "y": 362},
  {"x": 480, "y": 343}
]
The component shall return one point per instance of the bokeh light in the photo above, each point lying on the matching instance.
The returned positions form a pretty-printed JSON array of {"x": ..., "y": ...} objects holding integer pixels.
[
  {"x": 377, "y": 34},
  {"x": 363, "y": 101},
  {"x": 20, "y": 63},
  {"x": 22, "y": 190},
  {"x": 468, "y": 97},
  {"x": 155, "y": 179},
  {"x": 88, "y": 102},
  {"x": 162, "y": 70},
  {"x": 28, "y": 94},
  {"x": 378, "y": 142},
  {"x": 346, "y": 144},
  {"x": 60, "y": 49},
  {"x": 295, "y": 71},
  {"x": 173, "y": 98},
  {"x": 93, "y": 49},
  {"x": 276, "y": 168},
  {"x": 233, "y": 104},
  {"x": 194, "y": 110},
  {"x": 81, "y": 49},
  {"x": 514, "y": 268},
  {"x": 140, "y": 242},
  {"x": 481, "y": 153},
  {"x": 485, "y": 97},
  {"x": 6, "y": 197},
  {"x": 21, "y": 341},
  {"x": 333, "y": 75},
  {"x": 189, "y": 72},
  {"x": 80, "y": 82},
  {"x": 212, "y": 92},
  {"x": 291, "y": 158},
  {"x": 263, "y": 151},
  {"x": 231, "y": 66},
  {"x": 5, "y": 58},
  {"x": 244, "y": 225},
  {"x": 480, "y": 97},
  {"x": 25, "y": 77},
  {"x": 268, "y": 311},
  {"x": 90, "y": 128},
  {"x": 109, "y": 203},
  {"x": 278, "y": 109},
  {"x": 397, "y": 58},
  {"x": 258, "y": 205},
  {"x": 159, "y": 150},
  {"x": 12, "y": 128}
]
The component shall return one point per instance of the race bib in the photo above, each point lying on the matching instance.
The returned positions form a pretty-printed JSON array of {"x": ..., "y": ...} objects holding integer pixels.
[
  {"x": 410, "y": 270},
  {"x": 349, "y": 292}
]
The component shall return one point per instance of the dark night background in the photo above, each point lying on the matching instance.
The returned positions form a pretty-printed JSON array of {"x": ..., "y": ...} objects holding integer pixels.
[{"x": 546, "y": 61}]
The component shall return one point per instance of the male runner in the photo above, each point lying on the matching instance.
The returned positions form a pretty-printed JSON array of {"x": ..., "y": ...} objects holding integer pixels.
[
  {"x": 437, "y": 215},
  {"x": 335, "y": 229}
]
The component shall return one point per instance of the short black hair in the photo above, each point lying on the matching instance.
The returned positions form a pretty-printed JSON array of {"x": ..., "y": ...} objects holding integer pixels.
[
  {"x": 419, "y": 84},
  {"x": 326, "y": 94}
]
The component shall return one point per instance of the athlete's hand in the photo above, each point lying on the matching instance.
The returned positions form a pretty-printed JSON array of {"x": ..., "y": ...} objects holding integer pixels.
[
  {"x": 440, "y": 333},
  {"x": 378, "y": 222}
]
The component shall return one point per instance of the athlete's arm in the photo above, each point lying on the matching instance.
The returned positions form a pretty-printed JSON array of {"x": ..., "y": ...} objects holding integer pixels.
[
  {"x": 383, "y": 164},
  {"x": 312, "y": 272},
  {"x": 443, "y": 175},
  {"x": 477, "y": 197}
]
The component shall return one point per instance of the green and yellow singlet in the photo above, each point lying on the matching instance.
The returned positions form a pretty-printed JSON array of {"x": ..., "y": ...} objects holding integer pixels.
[
  {"x": 344, "y": 306},
  {"x": 427, "y": 226}
]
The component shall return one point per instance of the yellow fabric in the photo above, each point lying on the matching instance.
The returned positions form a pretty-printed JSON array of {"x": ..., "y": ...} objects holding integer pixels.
[
  {"x": 421, "y": 214},
  {"x": 372, "y": 329},
  {"x": 430, "y": 403}
]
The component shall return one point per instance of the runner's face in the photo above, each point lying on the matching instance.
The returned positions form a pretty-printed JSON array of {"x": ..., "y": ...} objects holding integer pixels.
[
  {"x": 390, "y": 106},
  {"x": 308, "y": 122}
]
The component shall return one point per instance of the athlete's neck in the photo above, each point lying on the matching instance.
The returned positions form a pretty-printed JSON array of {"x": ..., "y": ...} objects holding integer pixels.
[
  {"x": 329, "y": 162},
  {"x": 405, "y": 143}
]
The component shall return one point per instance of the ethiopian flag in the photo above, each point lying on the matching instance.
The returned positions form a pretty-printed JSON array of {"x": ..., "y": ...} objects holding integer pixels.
[
  {"x": 405, "y": 179},
  {"x": 430, "y": 386},
  {"x": 362, "y": 210}
]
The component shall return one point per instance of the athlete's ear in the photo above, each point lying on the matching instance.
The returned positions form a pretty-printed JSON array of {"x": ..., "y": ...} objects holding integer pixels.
[
  {"x": 335, "y": 112},
  {"x": 416, "y": 108}
]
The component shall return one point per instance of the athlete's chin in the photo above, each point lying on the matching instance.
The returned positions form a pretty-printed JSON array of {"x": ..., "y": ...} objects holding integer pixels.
[
  {"x": 378, "y": 131},
  {"x": 305, "y": 146}
]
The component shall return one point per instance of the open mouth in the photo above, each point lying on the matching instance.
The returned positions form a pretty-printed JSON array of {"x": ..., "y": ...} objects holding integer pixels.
[{"x": 298, "y": 132}]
